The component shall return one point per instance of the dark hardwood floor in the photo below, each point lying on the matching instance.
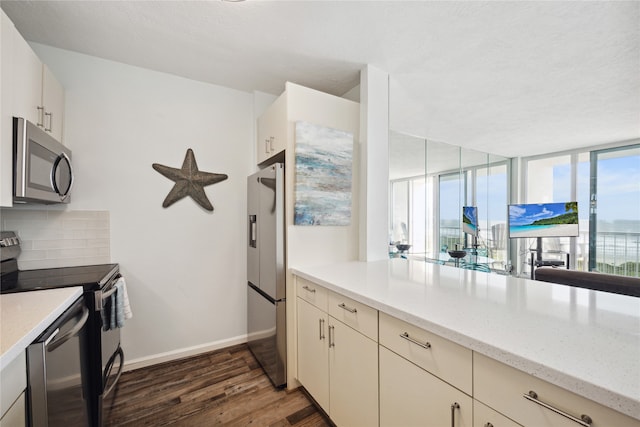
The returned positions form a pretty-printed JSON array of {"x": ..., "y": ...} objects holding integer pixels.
[{"x": 224, "y": 387}]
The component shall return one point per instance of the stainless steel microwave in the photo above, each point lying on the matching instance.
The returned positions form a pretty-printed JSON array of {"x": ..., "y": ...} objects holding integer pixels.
[{"x": 42, "y": 170}]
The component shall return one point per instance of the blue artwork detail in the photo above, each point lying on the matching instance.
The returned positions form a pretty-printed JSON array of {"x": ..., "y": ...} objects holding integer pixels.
[{"x": 324, "y": 158}]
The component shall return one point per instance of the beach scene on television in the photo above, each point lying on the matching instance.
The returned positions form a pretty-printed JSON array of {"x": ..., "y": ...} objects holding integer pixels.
[
  {"x": 470, "y": 220},
  {"x": 543, "y": 220}
]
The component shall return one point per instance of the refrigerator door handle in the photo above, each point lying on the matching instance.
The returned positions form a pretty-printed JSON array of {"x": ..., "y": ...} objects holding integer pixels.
[
  {"x": 253, "y": 231},
  {"x": 265, "y": 295}
]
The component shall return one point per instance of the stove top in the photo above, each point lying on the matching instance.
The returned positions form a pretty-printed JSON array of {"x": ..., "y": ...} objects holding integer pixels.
[{"x": 90, "y": 277}]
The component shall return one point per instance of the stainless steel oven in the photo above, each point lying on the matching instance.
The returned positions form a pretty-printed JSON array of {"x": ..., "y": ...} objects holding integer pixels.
[
  {"x": 102, "y": 353},
  {"x": 108, "y": 352},
  {"x": 57, "y": 374}
]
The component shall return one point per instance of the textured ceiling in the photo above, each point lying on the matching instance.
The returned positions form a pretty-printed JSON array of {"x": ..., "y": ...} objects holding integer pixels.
[{"x": 510, "y": 78}]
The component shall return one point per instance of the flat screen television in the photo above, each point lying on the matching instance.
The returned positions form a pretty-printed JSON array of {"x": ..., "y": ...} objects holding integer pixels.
[
  {"x": 470, "y": 220},
  {"x": 543, "y": 220}
]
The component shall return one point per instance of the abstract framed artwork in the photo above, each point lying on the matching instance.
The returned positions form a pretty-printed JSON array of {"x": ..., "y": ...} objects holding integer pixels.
[{"x": 324, "y": 165}]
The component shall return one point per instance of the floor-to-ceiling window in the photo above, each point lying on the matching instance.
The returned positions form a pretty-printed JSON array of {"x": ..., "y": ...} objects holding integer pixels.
[
  {"x": 449, "y": 208},
  {"x": 614, "y": 231},
  {"x": 606, "y": 185}
]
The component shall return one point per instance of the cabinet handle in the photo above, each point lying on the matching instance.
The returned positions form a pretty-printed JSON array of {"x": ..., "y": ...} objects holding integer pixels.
[
  {"x": 584, "y": 420},
  {"x": 406, "y": 336},
  {"x": 321, "y": 325},
  {"x": 266, "y": 146},
  {"x": 332, "y": 342},
  {"x": 454, "y": 406},
  {"x": 349, "y": 309},
  {"x": 271, "y": 138},
  {"x": 40, "y": 116},
  {"x": 488, "y": 425},
  {"x": 50, "y": 121},
  {"x": 307, "y": 288}
]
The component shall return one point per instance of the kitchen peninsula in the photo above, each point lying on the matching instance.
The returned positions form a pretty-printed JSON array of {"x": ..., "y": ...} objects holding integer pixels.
[{"x": 569, "y": 339}]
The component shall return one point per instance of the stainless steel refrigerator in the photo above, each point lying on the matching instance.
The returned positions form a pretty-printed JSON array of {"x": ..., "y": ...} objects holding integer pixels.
[{"x": 266, "y": 306}]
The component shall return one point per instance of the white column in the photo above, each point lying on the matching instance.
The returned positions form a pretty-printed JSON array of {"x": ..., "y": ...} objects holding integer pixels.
[{"x": 374, "y": 171}]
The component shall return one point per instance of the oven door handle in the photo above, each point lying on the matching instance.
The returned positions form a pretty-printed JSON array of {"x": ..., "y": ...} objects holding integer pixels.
[
  {"x": 101, "y": 296},
  {"x": 71, "y": 332},
  {"x": 110, "y": 292},
  {"x": 109, "y": 367}
]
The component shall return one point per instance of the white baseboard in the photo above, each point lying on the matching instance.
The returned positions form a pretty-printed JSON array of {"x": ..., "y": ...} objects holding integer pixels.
[{"x": 143, "y": 362}]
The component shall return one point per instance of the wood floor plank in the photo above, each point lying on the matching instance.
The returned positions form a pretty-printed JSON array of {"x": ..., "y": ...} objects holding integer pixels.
[{"x": 224, "y": 387}]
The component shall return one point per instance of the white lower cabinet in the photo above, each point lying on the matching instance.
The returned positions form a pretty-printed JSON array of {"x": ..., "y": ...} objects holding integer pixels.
[
  {"x": 353, "y": 377},
  {"x": 13, "y": 382},
  {"x": 483, "y": 416},
  {"x": 15, "y": 416},
  {"x": 313, "y": 352},
  {"x": 533, "y": 402},
  {"x": 411, "y": 396},
  {"x": 367, "y": 368},
  {"x": 337, "y": 363}
]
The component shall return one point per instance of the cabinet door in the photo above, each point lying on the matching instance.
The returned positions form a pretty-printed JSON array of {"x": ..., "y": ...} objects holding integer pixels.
[
  {"x": 7, "y": 31},
  {"x": 483, "y": 416},
  {"x": 53, "y": 102},
  {"x": 313, "y": 352},
  {"x": 15, "y": 416},
  {"x": 353, "y": 381},
  {"x": 27, "y": 81},
  {"x": 410, "y": 396},
  {"x": 272, "y": 130}
]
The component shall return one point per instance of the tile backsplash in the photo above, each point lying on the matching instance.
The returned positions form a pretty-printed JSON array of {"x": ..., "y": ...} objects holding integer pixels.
[{"x": 57, "y": 238}]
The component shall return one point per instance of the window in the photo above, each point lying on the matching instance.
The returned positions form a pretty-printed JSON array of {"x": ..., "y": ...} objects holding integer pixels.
[{"x": 606, "y": 185}]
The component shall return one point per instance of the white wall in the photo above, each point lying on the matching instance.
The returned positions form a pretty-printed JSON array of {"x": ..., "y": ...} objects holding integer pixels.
[
  {"x": 374, "y": 176},
  {"x": 185, "y": 267}
]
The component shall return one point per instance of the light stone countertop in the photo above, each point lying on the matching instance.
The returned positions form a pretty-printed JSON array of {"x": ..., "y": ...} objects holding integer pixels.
[
  {"x": 587, "y": 342},
  {"x": 25, "y": 315}
]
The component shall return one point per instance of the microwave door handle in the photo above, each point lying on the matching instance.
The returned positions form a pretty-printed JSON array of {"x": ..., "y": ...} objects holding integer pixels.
[
  {"x": 72, "y": 332},
  {"x": 54, "y": 184}
]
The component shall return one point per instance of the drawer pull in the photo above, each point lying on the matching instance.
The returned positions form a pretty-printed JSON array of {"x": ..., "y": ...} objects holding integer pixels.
[
  {"x": 454, "y": 406},
  {"x": 306, "y": 288},
  {"x": 406, "y": 336},
  {"x": 349, "y": 309},
  {"x": 584, "y": 420}
]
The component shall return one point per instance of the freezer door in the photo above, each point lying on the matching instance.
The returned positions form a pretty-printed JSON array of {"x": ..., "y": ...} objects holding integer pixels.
[{"x": 267, "y": 334}]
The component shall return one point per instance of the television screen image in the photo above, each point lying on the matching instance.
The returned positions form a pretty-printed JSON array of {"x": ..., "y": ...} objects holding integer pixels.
[
  {"x": 470, "y": 220},
  {"x": 543, "y": 220}
]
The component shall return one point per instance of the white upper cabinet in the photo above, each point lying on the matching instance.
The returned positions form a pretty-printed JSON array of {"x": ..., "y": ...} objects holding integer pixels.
[
  {"x": 27, "y": 81},
  {"x": 272, "y": 130},
  {"x": 53, "y": 103},
  {"x": 37, "y": 95},
  {"x": 6, "y": 100},
  {"x": 28, "y": 89}
]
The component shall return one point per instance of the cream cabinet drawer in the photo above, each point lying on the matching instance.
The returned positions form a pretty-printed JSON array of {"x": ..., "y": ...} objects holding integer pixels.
[
  {"x": 503, "y": 388},
  {"x": 15, "y": 416},
  {"x": 441, "y": 357},
  {"x": 360, "y": 317},
  {"x": 483, "y": 416},
  {"x": 312, "y": 293},
  {"x": 13, "y": 381}
]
